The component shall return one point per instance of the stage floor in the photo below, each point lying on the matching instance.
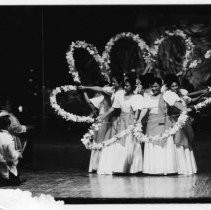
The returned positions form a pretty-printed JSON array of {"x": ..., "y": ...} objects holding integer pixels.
[
  {"x": 60, "y": 169},
  {"x": 76, "y": 186}
]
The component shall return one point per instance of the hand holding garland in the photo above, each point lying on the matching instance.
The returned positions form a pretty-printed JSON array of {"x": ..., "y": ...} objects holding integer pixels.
[{"x": 199, "y": 92}]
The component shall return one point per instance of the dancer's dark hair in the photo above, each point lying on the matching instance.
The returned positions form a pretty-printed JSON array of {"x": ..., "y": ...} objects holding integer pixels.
[
  {"x": 157, "y": 80},
  {"x": 147, "y": 80},
  {"x": 4, "y": 122},
  {"x": 119, "y": 78},
  {"x": 132, "y": 82},
  {"x": 171, "y": 78}
]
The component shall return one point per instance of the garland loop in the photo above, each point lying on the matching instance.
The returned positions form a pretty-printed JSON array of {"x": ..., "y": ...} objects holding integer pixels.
[
  {"x": 92, "y": 51},
  {"x": 124, "y": 35},
  {"x": 188, "y": 61},
  {"x": 61, "y": 112}
]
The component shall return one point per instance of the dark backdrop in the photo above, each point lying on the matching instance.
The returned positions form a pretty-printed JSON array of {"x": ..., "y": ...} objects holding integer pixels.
[{"x": 35, "y": 39}]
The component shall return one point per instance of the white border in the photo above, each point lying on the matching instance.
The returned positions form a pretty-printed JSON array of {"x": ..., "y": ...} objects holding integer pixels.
[{"x": 119, "y": 2}]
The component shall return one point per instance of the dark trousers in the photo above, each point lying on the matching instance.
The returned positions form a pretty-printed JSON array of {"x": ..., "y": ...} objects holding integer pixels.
[{"x": 13, "y": 180}]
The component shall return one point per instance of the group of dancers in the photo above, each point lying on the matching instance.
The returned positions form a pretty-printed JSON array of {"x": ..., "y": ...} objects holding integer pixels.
[{"x": 155, "y": 104}]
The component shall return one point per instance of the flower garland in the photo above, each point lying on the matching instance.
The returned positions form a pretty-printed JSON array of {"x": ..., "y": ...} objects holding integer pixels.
[
  {"x": 124, "y": 35},
  {"x": 61, "y": 112},
  {"x": 188, "y": 61},
  {"x": 149, "y": 54},
  {"x": 104, "y": 61},
  {"x": 86, "y": 140},
  {"x": 165, "y": 135},
  {"x": 92, "y": 51},
  {"x": 203, "y": 103},
  {"x": 137, "y": 131}
]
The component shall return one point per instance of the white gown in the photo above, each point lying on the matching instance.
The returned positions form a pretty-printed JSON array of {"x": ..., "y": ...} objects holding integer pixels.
[
  {"x": 124, "y": 156},
  {"x": 158, "y": 158},
  {"x": 98, "y": 102},
  {"x": 186, "y": 163}
]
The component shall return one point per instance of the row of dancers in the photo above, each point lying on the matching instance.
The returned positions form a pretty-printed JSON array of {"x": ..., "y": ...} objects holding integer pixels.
[{"x": 155, "y": 104}]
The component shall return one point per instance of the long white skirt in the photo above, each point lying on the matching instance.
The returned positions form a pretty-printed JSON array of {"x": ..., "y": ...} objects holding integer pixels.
[
  {"x": 185, "y": 161},
  {"x": 160, "y": 159},
  {"x": 124, "y": 156},
  {"x": 94, "y": 160},
  {"x": 118, "y": 158},
  {"x": 105, "y": 163},
  {"x": 99, "y": 138}
]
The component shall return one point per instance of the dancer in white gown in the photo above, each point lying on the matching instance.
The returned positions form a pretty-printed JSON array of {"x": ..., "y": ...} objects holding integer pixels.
[
  {"x": 183, "y": 139},
  {"x": 102, "y": 102},
  {"x": 124, "y": 156},
  {"x": 159, "y": 158}
]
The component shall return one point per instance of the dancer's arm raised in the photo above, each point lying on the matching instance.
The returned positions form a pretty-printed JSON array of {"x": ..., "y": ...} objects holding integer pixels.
[
  {"x": 98, "y": 89},
  {"x": 198, "y": 93}
]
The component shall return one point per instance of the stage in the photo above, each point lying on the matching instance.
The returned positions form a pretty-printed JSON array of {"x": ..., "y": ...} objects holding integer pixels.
[
  {"x": 60, "y": 169},
  {"x": 76, "y": 186}
]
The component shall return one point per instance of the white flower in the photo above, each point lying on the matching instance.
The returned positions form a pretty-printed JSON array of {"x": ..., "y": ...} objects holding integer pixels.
[
  {"x": 154, "y": 51},
  {"x": 207, "y": 54},
  {"x": 193, "y": 64},
  {"x": 202, "y": 104},
  {"x": 91, "y": 132}
]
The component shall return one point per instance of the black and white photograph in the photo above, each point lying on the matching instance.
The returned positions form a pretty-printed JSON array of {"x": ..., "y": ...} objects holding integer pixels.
[{"x": 104, "y": 104}]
